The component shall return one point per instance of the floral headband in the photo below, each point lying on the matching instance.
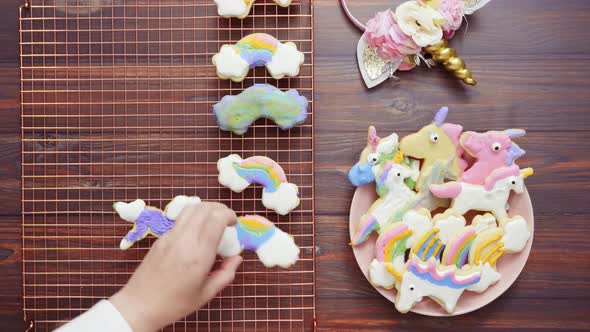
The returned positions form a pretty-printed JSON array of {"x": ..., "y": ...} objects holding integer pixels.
[{"x": 400, "y": 39}]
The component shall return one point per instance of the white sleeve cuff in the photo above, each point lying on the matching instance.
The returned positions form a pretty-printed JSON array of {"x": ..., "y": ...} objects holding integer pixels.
[{"x": 103, "y": 316}]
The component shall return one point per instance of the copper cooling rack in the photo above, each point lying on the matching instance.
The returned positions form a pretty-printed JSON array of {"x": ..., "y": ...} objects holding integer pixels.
[{"x": 116, "y": 105}]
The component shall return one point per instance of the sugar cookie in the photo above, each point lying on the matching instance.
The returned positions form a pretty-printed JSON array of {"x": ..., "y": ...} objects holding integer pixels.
[
  {"x": 437, "y": 142},
  {"x": 241, "y": 8},
  {"x": 236, "y": 113},
  {"x": 491, "y": 150},
  {"x": 258, "y": 49},
  {"x": 251, "y": 232},
  {"x": 492, "y": 196},
  {"x": 516, "y": 233},
  {"x": 278, "y": 194}
]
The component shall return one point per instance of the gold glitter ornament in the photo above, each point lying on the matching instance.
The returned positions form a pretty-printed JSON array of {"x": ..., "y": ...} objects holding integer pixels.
[
  {"x": 374, "y": 64},
  {"x": 447, "y": 56}
]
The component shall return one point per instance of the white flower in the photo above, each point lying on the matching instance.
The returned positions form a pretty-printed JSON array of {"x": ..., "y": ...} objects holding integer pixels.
[{"x": 421, "y": 22}]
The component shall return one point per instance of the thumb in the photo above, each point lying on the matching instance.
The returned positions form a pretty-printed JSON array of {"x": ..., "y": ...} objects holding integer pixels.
[{"x": 220, "y": 278}]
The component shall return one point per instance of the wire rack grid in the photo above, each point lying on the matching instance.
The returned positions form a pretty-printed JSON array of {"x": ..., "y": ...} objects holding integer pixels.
[{"x": 116, "y": 105}]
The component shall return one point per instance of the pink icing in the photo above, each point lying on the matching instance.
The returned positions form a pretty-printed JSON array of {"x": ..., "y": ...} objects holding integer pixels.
[
  {"x": 500, "y": 174},
  {"x": 383, "y": 241},
  {"x": 456, "y": 244}
]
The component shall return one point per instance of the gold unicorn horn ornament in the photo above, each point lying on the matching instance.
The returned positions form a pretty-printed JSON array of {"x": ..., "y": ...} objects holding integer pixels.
[{"x": 447, "y": 56}]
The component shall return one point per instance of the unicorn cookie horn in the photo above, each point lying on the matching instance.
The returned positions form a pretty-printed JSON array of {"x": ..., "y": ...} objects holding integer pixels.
[{"x": 278, "y": 194}]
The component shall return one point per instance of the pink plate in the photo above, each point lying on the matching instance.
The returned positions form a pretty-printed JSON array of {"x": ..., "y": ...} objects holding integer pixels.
[{"x": 509, "y": 265}]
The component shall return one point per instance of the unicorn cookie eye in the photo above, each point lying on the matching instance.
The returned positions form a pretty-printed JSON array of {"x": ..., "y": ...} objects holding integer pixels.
[
  {"x": 372, "y": 159},
  {"x": 496, "y": 146},
  {"x": 433, "y": 137},
  {"x": 411, "y": 287}
]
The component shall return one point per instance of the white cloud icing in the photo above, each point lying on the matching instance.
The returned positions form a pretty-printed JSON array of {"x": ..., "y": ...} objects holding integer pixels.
[
  {"x": 285, "y": 61},
  {"x": 230, "y": 64},
  {"x": 279, "y": 250},
  {"x": 228, "y": 177},
  {"x": 283, "y": 200}
]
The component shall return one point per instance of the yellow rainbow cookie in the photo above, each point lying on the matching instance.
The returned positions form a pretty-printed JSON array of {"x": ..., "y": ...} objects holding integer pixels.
[
  {"x": 487, "y": 247},
  {"x": 241, "y": 8}
]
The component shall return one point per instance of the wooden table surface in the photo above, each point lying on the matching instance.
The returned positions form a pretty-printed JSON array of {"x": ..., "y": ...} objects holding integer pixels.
[{"x": 532, "y": 59}]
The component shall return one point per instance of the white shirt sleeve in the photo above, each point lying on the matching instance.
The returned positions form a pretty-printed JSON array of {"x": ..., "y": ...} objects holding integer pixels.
[{"x": 103, "y": 316}]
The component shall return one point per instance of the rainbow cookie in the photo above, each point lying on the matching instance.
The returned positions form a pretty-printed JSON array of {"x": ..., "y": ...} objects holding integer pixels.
[
  {"x": 487, "y": 247},
  {"x": 390, "y": 250},
  {"x": 491, "y": 150},
  {"x": 236, "y": 113},
  {"x": 492, "y": 196},
  {"x": 251, "y": 232},
  {"x": 241, "y": 8},
  {"x": 255, "y": 50},
  {"x": 278, "y": 194}
]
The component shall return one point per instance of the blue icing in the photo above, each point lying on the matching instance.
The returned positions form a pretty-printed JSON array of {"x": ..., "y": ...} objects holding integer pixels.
[
  {"x": 361, "y": 174},
  {"x": 257, "y": 176},
  {"x": 446, "y": 281},
  {"x": 250, "y": 241}
]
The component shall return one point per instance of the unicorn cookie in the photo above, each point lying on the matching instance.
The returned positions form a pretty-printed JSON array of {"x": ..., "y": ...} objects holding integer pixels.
[
  {"x": 150, "y": 220},
  {"x": 240, "y": 8},
  {"x": 255, "y": 50},
  {"x": 444, "y": 284},
  {"x": 491, "y": 150},
  {"x": 236, "y": 113},
  {"x": 251, "y": 232},
  {"x": 492, "y": 196},
  {"x": 437, "y": 142},
  {"x": 278, "y": 194},
  {"x": 394, "y": 194}
]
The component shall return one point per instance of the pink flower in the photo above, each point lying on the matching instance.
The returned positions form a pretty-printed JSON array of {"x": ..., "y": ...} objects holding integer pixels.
[
  {"x": 452, "y": 10},
  {"x": 386, "y": 37}
]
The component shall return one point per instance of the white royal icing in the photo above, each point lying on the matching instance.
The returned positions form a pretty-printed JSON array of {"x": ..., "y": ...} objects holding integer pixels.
[
  {"x": 489, "y": 276},
  {"x": 174, "y": 208},
  {"x": 419, "y": 223},
  {"x": 232, "y": 8},
  {"x": 229, "y": 245},
  {"x": 483, "y": 222},
  {"x": 283, "y": 200},
  {"x": 285, "y": 61},
  {"x": 228, "y": 177},
  {"x": 230, "y": 64},
  {"x": 516, "y": 234},
  {"x": 379, "y": 276},
  {"x": 449, "y": 226},
  {"x": 129, "y": 211},
  {"x": 279, "y": 250}
]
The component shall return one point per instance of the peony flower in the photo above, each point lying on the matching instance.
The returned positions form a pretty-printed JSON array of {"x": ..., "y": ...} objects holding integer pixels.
[
  {"x": 452, "y": 11},
  {"x": 421, "y": 22},
  {"x": 388, "y": 39}
]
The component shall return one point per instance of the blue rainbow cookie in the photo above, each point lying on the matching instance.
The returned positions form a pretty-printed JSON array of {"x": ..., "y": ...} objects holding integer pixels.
[
  {"x": 256, "y": 50},
  {"x": 236, "y": 113},
  {"x": 278, "y": 194}
]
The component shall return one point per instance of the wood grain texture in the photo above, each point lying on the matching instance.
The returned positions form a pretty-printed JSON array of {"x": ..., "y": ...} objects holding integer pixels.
[{"x": 532, "y": 60}]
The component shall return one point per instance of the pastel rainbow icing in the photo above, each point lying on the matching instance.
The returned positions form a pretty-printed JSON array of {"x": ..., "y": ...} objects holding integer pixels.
[
  {"x": 253, "y": 231},
  {"x": 392, "y": 243},
  {"x": 263, "y": 171},
  {"x": 429, "y": 246},
  {"x": 236, "y": 113},
  {"x": 458, "y": 248},
  {"x": 257, "y": 48},
  {"x": 448, "y": 278}
]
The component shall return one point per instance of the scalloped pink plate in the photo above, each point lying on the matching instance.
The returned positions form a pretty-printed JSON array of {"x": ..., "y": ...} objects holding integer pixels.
[{"x": 509, "y": 265}]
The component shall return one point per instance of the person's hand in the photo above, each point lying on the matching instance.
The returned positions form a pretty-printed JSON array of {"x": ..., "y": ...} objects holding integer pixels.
[{"x": 173, "y": 279}]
